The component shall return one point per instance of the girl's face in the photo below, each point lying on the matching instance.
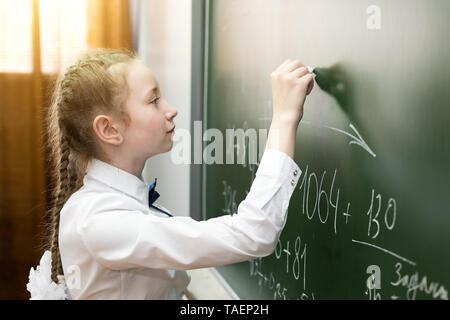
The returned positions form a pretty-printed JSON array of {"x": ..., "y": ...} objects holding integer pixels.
[{"x": 151, "y": 127}]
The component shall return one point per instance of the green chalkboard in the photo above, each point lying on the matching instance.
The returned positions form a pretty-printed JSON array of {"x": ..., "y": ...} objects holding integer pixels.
[{"x": 370, "y": 217}]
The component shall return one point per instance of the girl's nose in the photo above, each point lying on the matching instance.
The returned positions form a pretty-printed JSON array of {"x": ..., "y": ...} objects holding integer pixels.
[{"x": 171, "y": 113}]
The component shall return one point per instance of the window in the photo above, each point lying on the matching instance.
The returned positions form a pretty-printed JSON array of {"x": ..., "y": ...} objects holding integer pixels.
[
  {"x": 63, "y": 34},
  {"x": 15, "y": 36}
]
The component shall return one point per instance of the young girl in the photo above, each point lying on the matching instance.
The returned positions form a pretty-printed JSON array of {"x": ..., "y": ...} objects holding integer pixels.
[{"x": 108, "y": 239}]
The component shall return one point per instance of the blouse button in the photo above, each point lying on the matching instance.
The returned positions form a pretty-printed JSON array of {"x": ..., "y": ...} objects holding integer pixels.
[
  {"x": 292, "y": 182},
  {"x": 295, "y": 172}
]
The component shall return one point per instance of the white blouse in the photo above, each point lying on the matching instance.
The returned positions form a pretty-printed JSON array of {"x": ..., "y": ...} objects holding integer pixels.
[{"x": 114, "y": 246}]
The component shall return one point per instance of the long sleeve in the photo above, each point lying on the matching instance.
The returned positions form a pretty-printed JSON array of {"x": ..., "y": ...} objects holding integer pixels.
[{"x": 121, "y": 239}]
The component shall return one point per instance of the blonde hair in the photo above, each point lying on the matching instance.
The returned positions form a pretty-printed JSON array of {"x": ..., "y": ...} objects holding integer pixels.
[{"x": 96, "y": 83}]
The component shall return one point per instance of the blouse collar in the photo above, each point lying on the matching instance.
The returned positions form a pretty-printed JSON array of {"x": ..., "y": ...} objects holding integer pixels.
[{"x": 118, "y": 179}]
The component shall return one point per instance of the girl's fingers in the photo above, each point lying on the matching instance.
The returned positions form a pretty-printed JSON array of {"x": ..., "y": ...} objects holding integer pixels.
[
  {"x": 289, "y": 66},
  {"x": 310, "y": 87},
  {"x": 300, "y": 72},
  {"x": 308, "y": 81},
  {"x": 282, "y": 66},
  {"x": 295, "y": 65}
]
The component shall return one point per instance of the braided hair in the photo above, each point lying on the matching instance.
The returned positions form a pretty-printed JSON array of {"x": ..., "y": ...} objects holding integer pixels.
[{"x": 96, "y": 83}]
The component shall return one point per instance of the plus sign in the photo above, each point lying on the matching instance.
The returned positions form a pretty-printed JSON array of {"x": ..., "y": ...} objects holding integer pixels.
[
  {"x": 288, "y": 253},
  {"x": 346, "y": 214}
]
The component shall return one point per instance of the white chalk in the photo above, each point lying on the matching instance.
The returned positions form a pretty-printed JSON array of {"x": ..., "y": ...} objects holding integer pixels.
[{"x": 310, "y": 69}]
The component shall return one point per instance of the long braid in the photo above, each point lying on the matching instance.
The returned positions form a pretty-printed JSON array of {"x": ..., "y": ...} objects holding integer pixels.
[
  {"x": 66, "y": 184},
  {"x": 61, "y": 198},
  {"x": 73, "y": 172}
]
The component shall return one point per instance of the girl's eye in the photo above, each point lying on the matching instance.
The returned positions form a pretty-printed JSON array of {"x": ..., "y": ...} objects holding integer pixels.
[{"x": 155, "y": 101}]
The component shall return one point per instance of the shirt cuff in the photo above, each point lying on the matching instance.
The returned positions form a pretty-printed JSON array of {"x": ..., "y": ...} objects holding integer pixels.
[{"x": 277, "y": 164}]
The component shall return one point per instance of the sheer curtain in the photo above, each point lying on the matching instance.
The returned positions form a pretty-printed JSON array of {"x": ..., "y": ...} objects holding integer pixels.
[{"x": 38, "y": 39}]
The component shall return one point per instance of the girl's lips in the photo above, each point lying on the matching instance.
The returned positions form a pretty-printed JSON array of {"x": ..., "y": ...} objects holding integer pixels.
[{"x": 171, "y": 131}]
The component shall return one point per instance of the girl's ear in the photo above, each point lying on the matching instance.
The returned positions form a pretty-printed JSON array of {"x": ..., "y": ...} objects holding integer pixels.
[{"x": 106, "y": 130}]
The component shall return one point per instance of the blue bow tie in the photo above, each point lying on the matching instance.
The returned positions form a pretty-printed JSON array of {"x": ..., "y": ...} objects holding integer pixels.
[{"x": 152, "y": 196}]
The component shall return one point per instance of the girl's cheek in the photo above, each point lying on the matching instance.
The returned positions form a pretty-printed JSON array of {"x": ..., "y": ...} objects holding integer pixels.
[{"x": 154, "y": 127}]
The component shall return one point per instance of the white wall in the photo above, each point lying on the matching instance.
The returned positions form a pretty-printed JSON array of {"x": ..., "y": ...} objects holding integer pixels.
[{"x": 164, "y": 44}]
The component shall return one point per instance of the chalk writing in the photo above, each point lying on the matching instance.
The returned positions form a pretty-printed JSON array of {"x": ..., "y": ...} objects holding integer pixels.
[
  {"x": 413, "y": 284},
  {"x": 386, "y": 251},
  {"x": 390, "y": 215},
  {"x": 322, "y": 200},
  {"x": 230, "y": 199},
  {"x": 297, "y": 266}
]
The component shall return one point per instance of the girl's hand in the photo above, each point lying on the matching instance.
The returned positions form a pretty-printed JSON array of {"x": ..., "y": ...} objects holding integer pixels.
[{"x": 291, "y": 83}]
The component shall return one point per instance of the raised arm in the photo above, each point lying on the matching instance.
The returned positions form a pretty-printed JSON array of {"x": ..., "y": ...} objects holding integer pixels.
[
  {"x": 291, "y": 83},
  {"x": 120, "y": 238}
]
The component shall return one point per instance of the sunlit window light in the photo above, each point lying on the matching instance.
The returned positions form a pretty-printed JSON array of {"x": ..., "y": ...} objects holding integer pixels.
[
  {"x": 15, "y": 36},
  {"x": 63, "y": 34}
]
